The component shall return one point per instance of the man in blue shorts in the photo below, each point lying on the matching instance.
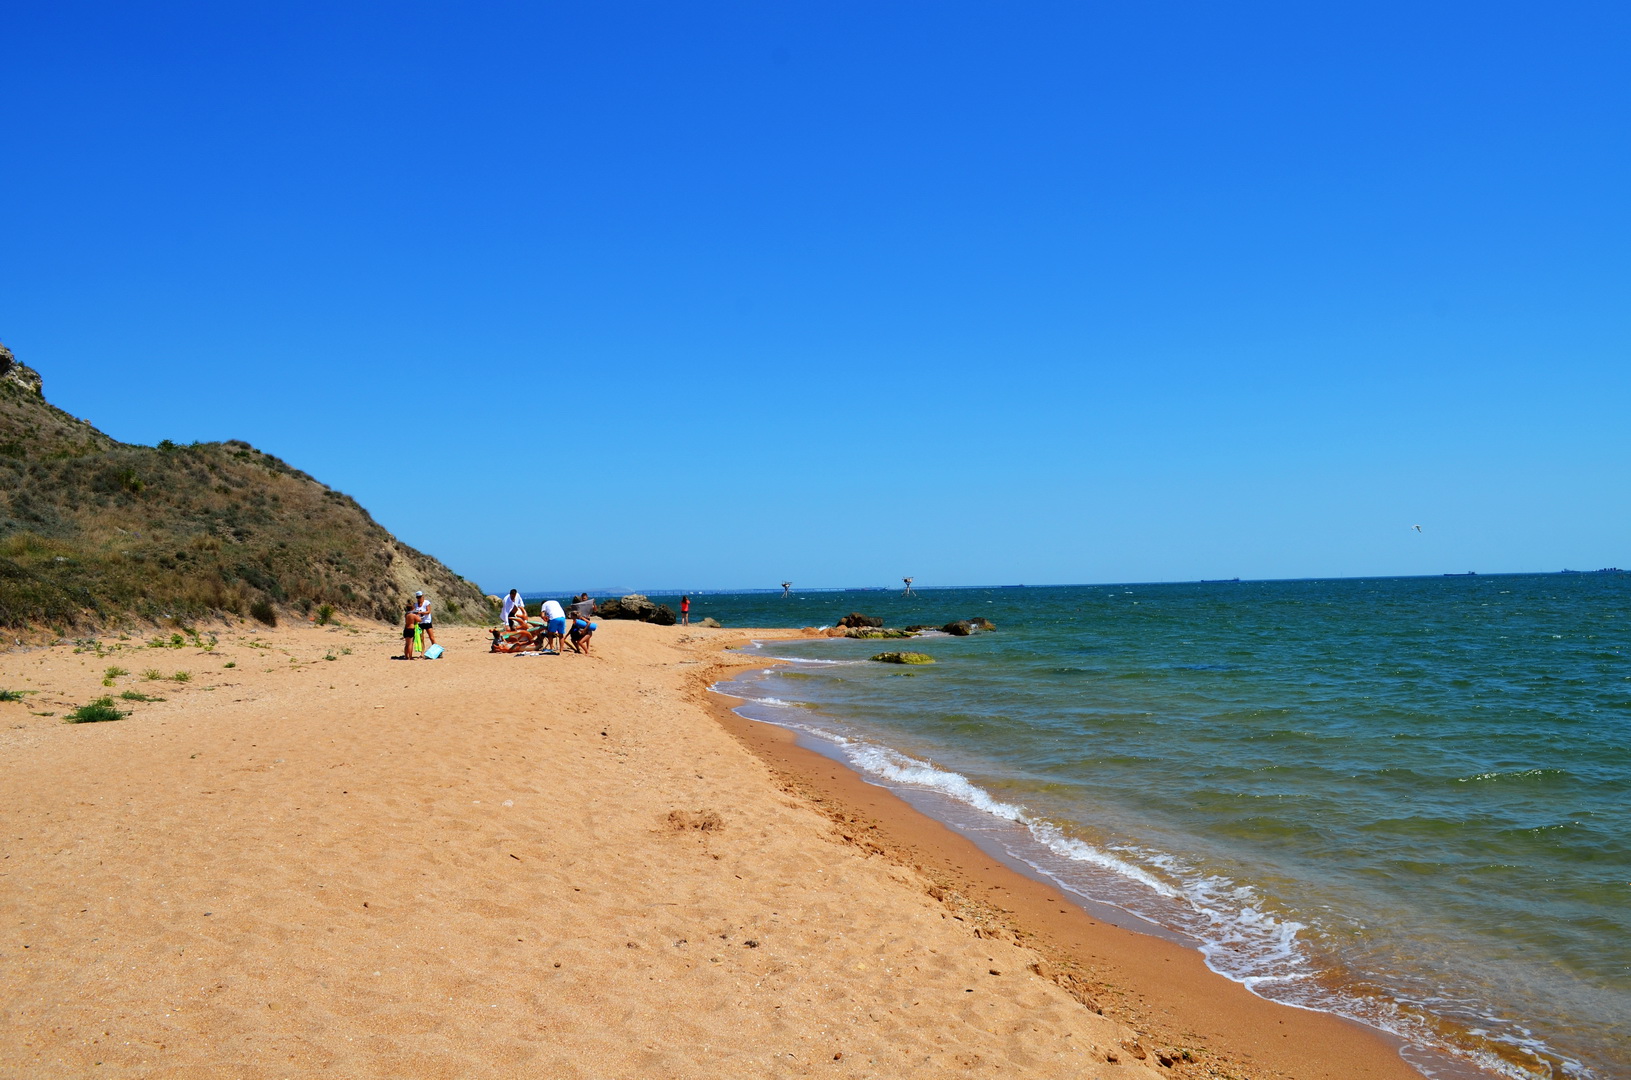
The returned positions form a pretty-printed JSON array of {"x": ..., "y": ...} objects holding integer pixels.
[{"x": 554, "y": 625}]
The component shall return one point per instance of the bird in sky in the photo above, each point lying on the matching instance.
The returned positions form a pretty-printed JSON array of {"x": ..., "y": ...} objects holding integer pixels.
[{"x": 1416, "y": 527}]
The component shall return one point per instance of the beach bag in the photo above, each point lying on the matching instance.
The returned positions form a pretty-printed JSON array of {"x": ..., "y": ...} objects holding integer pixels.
[{"x": 433, "y": 653}]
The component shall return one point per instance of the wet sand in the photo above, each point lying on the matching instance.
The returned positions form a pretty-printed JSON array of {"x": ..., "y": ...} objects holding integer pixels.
[{"x": 322, "y": 861}]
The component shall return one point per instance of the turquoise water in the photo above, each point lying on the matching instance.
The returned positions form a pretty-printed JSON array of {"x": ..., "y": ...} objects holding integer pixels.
[{"x": 1405, "y": 800}]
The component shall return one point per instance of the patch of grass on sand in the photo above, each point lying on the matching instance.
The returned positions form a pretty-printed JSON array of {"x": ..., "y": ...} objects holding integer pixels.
[
  {"x": 181, "y": 676},
  {"x": 95, "y": 712},
  {"x": 231, "y": 663},
  {"x": 137, "y": 695},
  {"x": 14, "y": 695},
  {"x": 152, "y": 674}
]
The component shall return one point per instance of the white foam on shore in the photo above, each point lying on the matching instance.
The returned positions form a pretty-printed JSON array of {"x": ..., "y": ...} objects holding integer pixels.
[{"x": 1236, "y": 937}]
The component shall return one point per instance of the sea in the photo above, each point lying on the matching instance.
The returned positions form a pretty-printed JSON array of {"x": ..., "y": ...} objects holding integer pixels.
[{"x": 1406, "y": 801}]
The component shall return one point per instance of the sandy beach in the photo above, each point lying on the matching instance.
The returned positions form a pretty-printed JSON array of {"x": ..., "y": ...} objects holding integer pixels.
[{"x": 311, "y": 858}]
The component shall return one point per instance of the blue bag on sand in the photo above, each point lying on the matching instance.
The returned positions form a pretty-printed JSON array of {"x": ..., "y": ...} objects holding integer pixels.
[{"x": 433, "y": 653}]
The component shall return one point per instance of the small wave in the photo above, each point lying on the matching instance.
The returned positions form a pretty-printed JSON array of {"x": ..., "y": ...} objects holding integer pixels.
[
  {"x": 1525, "y": 774},
  {"x": 808, "y": 660},
  {"x": 1237, "y": 938}
]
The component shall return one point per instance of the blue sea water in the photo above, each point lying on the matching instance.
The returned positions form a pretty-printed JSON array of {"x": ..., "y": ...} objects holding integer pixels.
[{"x": 1404, "y": 800}]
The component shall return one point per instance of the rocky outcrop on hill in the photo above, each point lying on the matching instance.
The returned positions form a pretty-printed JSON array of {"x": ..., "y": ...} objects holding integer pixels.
[
  {"x": 94, "y": 531},
  {"x": 19, "y": 374},
  {"x": 636, "y": 606}
]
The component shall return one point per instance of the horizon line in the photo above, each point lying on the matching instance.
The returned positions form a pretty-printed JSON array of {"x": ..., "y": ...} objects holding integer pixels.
[{"x": 776, "y": 589}]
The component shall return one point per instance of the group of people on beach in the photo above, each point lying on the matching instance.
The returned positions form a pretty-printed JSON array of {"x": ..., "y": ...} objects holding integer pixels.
[
  {"x": 548, "y": 634},
  {"x": 551, "y": 635}
]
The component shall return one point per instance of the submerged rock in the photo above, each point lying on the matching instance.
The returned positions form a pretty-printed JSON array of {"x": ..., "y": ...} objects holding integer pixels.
[
  {"x": 875, "y": 632},
  {"x": 965, "y": 627},
  {"x": 902, "y": 658},
  {"x": 711, "y": 621}
]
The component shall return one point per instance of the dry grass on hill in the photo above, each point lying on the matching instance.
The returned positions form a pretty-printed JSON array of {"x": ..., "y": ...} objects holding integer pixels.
[{"x": 94, "y": 531}]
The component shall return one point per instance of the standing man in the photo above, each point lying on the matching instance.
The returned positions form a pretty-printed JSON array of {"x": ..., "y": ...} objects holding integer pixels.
[
  {"x": 554, "y": 625},
  {"x": 421, "y": 607},
  {"x": 513, "y": 604}
]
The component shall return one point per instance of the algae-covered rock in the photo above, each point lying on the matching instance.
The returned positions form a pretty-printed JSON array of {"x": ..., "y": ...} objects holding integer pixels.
[
  {"x": 958, "y": 629},
  {"x": 875, "y": 632},
  {"x": 982, "y": 624},
  {"x": 903, "y": 658}
]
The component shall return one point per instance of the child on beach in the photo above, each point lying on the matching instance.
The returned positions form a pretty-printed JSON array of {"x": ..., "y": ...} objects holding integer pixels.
[
  {"x": 422, "y": 609},
  {"x": 410, "y": 629}
]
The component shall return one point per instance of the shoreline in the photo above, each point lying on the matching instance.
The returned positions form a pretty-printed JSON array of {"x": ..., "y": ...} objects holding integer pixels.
[
  {"x": 1158, "y": 983},
  {"x": 306, "y": 857}
]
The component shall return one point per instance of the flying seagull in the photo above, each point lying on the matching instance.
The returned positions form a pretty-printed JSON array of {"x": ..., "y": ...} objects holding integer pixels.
[{"x": 1416, "y": 527}]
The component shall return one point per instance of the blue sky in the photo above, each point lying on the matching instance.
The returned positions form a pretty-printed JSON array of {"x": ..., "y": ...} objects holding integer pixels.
[{"x": 716, "y": 295}]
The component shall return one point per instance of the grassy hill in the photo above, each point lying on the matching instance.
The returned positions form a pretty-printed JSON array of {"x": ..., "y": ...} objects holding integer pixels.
[{"x": 95, "y": 532}]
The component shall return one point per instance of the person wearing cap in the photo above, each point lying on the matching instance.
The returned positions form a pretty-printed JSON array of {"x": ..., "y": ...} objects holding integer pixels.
[{"x": 421, "y": 607}]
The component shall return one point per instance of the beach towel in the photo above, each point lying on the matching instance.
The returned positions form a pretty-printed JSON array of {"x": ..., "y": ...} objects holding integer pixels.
[
  {"x": 433, "y": 653},
  {"x": 418, "y": 640}
]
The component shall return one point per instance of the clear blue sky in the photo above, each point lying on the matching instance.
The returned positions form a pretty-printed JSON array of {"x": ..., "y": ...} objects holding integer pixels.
[{"x": 714, "y": 295}]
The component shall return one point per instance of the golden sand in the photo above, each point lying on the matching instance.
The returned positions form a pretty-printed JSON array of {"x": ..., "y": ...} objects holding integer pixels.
[{"x": 321, "y": 862}]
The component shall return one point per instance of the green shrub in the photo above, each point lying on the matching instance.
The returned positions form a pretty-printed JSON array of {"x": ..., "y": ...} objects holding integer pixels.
[
  {"x": 325, "y": 614},
  {"x": 13, "y": 695},
  {"x": 136, "y": 695},
  {"x": 96, "y": 712},
  {"x": 152, "y": 674},
  {"x": 115, "y": 672},
  {"x": 182, "y": 676},
  {"x": 232, "y": 663},
  {"x": 262, "y": 611}
]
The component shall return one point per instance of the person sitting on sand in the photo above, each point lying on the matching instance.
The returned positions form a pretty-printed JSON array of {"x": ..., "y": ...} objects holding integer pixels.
[
  {"x": 554, "y": 630},
  {"x": 410, "y": 626},
  {"x": 422, "y": 609},
  {"x": 514, "y": 615}
]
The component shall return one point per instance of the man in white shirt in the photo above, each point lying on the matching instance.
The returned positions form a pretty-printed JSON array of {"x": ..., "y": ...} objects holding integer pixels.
[
  {"x": 514, "y": 614},
  {"x": 554, "y": 625}
]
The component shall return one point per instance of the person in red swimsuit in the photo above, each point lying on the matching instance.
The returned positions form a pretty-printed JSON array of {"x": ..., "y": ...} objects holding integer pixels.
[{"x": 685, "y": 611}]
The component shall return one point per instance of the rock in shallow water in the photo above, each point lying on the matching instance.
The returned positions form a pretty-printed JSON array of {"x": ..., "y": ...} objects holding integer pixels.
[{"x": 902, "y": 658}]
